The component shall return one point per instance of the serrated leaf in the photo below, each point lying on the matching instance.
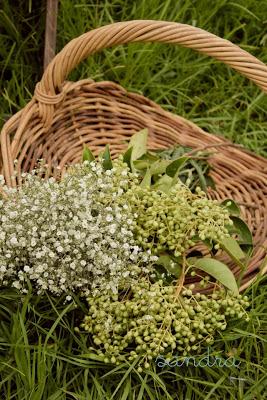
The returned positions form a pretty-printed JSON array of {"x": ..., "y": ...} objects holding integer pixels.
[
  {"x": 87, "y": 154},
  {"x": 232, "y": 248},
  {"x": 106, "y": 159},
  {"x": 127, "y": 156},
  {"x": 231, "y": 206},
  {"x": 146, "y": 182},
  {"x": 173, "y": 267},
  {"x": 164, "y": 184},
  {"x": 139, "y": 144},
  {"x": 174, "y": 167},
  {"x": 219, "y": 271}
]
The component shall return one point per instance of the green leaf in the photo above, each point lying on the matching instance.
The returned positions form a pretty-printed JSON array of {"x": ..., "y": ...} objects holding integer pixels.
[
  {"x": 127, "y": 156},
  {"x": 231, "y": 206},
  {"x": 139, "y": 144},
  {"x": 159, "y": 167},
  {"x": 160, "y": 273},
  {"x": 149, "y": 156},
  {"x": 164, "y": 184},
  {"x": 200, "y": 173},
  {"x": 180, "y": 151},
  {"x": 173, "y": 153},
  {"x": 240, "y": 227},
  {"x": 146, "y": 182},
  {"x": 210, "y": 182},
  {"x": 156, "y": 166},
  {"x": 174, "y": 167},
  {"x": 141, "y": 164},
  {"x": 208, "y": 243},
  {"x": 87, "y": 154},
  {"x": 173, "y": 267},
  {"x": 232, "y": 248},
  {"x": 219, "y": 271},
  {"x": 106, "y": 157}
]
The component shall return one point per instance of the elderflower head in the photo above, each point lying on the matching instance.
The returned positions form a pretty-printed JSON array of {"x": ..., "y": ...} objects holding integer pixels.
[
  {"x": 71, "y": 235},
  {"x": 175, "y": 221}
]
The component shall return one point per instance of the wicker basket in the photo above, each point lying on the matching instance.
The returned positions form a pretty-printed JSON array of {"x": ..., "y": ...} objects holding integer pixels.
[{"x": 63, "y": 116}]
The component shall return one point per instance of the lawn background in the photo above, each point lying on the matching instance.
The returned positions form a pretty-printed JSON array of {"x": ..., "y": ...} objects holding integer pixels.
[
  {"x": 40, "y": 357},
  {"x": 215, "y": 97}
]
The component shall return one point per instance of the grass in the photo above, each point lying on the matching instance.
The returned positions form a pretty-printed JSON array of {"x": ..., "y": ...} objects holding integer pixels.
[
  {"x": 184, "y": 82},
  {"x": 40, "y": 356},
  {"x": 21, "y": 51}
]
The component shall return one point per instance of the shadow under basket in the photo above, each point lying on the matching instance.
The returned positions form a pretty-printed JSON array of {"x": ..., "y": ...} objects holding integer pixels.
[{"x": 63, "y": 116}]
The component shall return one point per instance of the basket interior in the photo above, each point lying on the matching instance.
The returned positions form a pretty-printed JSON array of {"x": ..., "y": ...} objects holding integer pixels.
[{"x": 99, "y": 113}]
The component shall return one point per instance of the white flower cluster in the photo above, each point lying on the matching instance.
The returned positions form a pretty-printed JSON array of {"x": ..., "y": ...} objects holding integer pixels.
[{"x": 70, "y": 235}]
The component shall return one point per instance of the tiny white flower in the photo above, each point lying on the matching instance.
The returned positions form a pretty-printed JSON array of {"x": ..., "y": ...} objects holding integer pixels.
[
  {"x": 67, "y": 228},
  {"x": 72, "y": 265},
  {"x": 13, "y": 240},
  {"x": 2, "y": 235},
  {"x": 16, "y": 284}
]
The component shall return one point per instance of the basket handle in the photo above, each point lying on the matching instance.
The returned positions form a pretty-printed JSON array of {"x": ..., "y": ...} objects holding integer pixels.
[{"x": 48, "y": 90}]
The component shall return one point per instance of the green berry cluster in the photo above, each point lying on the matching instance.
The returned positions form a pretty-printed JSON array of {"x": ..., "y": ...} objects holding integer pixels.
[
  {"x": 177, "y": 220},
  {"x": 152, "y": 319}
]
